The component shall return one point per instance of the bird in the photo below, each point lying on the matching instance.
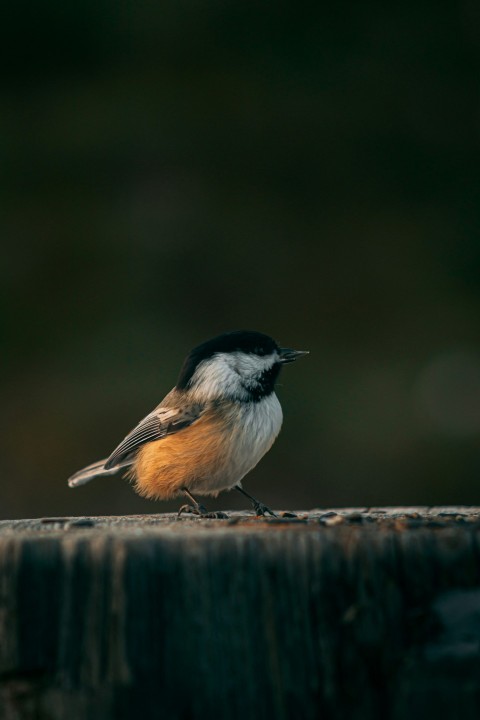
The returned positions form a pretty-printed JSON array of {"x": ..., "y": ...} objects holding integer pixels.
[{"x": 211, "y": 429}]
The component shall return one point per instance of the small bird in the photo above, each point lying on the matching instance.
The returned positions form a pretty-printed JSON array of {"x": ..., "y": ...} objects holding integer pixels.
[{"x": 219, "y": 420}]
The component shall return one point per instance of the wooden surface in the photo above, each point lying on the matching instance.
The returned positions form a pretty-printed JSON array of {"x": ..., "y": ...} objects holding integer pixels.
[{"x": 358, "y": 613}]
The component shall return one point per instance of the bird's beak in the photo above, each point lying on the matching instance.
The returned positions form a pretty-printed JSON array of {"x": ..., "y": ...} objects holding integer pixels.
[{"x": 288, "y": 355}]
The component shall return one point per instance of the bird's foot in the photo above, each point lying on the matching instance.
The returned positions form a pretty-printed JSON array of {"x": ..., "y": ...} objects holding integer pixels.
[
  {"x": 262, "y": 510},
  {"x": 192, "y": 510},
  {"x": 202, "y": 512}
]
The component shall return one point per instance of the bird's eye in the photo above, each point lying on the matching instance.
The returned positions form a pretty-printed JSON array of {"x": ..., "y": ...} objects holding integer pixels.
[{"x": 260, "y": 351}]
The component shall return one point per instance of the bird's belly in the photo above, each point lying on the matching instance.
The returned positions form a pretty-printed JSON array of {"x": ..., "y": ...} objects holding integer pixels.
[{"x": 211, "y": 455}]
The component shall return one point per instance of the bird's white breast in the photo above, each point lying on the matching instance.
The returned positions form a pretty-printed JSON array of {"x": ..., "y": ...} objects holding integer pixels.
[{"x": 251, "y": 429}]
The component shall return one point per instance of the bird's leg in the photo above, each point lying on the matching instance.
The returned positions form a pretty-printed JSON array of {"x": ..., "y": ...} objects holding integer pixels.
[
  {"x": 197, "y": 509},
  {"x": 260, "y": 508}
]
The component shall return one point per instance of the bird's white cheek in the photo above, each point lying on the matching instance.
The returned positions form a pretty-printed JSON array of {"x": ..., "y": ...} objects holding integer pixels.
[
  {"x": 250, "y": 366},
  {"x": 215, "y": 378}
]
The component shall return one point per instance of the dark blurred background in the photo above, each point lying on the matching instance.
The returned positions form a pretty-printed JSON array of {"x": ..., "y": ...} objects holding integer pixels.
[{"x": 173, "y": 170}]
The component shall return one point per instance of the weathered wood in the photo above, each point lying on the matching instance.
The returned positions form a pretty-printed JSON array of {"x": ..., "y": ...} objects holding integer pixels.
[{"x": 342, "y": 614}]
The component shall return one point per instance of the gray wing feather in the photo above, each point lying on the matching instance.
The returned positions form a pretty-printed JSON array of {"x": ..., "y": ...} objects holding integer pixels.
[
  {"x": 96, "y": 469},
  {"x": 161, "y": 422}
]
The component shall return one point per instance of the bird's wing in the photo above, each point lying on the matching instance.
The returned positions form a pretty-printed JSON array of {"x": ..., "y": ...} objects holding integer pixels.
[{"x": 164, "y": 420}]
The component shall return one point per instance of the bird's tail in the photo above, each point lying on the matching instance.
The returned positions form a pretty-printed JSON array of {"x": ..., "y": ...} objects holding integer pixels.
[{"x": 96, "y": 469}]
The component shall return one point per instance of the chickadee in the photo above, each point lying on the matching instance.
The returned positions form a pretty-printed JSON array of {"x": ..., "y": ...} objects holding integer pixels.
[{"x": 219, "y": 420}]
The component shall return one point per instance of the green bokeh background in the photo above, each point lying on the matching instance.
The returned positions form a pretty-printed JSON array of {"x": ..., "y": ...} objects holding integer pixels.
[{"x": 173, "y": 170}]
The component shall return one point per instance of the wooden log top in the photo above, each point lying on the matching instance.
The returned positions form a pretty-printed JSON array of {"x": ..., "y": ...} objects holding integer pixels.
[{"x": 396, "y": 518}]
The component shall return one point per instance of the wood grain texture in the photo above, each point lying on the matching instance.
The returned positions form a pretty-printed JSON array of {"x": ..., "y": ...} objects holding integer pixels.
[{"x": 342, "y": 614}]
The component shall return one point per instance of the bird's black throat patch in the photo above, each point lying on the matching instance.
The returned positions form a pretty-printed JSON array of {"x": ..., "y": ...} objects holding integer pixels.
[{"x": 263, "y": 385}]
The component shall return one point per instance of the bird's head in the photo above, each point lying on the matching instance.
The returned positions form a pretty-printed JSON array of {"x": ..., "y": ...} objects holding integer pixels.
[{"x": 242, "y": 365}]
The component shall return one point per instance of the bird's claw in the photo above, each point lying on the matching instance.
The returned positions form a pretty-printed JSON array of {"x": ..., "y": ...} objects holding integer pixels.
[
  {"x": 261, "y": 510},
  {"x": 192, "y": 510},
  {"x": 202, "y": 512}
]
